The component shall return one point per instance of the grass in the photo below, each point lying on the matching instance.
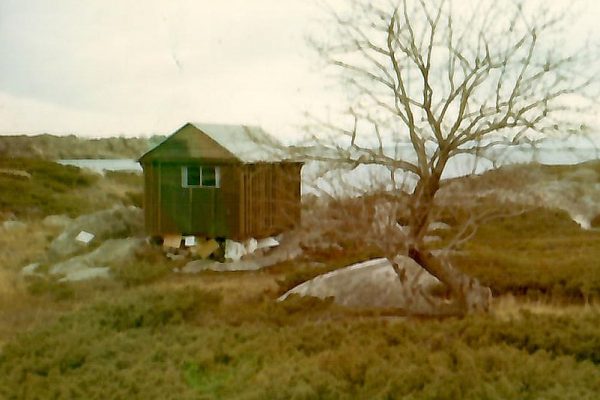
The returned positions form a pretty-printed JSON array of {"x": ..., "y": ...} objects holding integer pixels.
[{"x": 23, "y": 246}]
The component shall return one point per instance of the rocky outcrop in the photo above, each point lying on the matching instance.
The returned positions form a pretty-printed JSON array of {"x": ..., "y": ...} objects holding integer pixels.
[
  {"x": 115, "y": 223},
  {"x": 374, "y": 283},
  {"x": 110, "y": 253}
]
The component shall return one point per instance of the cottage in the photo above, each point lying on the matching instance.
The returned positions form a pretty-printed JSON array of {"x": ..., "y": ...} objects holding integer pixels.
[{"x": 220, "y": 181}]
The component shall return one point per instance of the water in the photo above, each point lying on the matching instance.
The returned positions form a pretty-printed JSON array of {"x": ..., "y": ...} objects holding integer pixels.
[
  {"x": 368, "y": 176},
  {"x": 318, "y": 177}
]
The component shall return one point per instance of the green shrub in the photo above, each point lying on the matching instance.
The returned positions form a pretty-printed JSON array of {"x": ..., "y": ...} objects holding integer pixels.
[
  {"x": 141, "y": 272},
  {"x": 48, "y": 286},
  {"x": 150, "y": 265},
  {"x": 52, "y": 188},
  {"x": 189, "y": 346},
  {"x": 126, "y": 178},
  {"x": 541, "y": 254},
  {"x": 155, "y": 309}
]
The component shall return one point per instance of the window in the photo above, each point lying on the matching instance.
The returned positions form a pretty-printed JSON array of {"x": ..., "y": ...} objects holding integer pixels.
[
  {"x": 209, "y": 176},
  {"x": 193, "y": 177},
  {"x": 196, "y": 176}
]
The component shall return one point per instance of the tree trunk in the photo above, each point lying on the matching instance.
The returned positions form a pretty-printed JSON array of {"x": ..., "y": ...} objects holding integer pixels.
[{"x": 468, "y": 295}]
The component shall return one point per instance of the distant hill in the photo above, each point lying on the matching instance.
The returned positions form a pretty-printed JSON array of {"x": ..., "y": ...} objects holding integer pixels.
[{"x": 52, "y": 147}]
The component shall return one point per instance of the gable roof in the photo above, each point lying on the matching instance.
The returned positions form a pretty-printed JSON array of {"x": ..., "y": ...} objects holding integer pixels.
[{"x": 212, "y": 142}]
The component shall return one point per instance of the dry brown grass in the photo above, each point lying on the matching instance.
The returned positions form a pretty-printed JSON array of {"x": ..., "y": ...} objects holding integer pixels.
[
  {"x": 115, "y": 188},
  {"x": 236, "y": 287},
  {"x": 19, "y": 247},
  {"x": 508, "y": 307},
  {"x": 19, "y": 310}
]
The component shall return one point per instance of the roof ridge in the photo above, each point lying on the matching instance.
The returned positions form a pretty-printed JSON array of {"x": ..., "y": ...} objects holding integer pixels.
[{"x": 246, "y": 143}]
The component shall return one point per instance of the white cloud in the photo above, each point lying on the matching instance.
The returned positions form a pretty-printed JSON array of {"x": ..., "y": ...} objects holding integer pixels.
[{"x": 128, "y": 67}]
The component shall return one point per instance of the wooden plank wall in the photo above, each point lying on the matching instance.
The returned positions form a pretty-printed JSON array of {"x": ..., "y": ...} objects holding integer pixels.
[
  {"x": 259, "y": 200},
  {"x": 149, "y": 199},
  {"x": 269, "y": 199}
]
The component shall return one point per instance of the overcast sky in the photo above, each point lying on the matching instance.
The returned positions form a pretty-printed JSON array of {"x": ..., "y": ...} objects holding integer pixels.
[{"x": 125, "y": 67}]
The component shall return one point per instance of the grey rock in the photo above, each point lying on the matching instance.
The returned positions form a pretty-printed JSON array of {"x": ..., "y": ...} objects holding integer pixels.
[
  {"x": 375, "y": 284},
  {"x": 30, "y": 269},
  {"x": 13, "y": 225},
  {"x": 87, "y": 274},
  {"x": 110, "y": 253},
  {"x": 115, "y": 223},
  {"x": 193, "y": 267}
]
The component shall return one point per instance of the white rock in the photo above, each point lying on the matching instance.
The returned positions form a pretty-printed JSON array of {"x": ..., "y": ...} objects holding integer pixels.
[
  {"x": 373, "y": 283},
  {"x": 86, "y": 274},
  {"x": 111, "y": 252},
  {"x": 13, "y": 225},
  {"x": 193, "y": 267},
  {"x": 115, "y": 223},
  {"x": 234, "y": 250},
  {"x": 30, "y": 269},
  {"x": 196, "y": 266},
  {"x": 582, "y": 221},
  {"x": 267, "y": 243},
  {"x": 250, "y": 245}
]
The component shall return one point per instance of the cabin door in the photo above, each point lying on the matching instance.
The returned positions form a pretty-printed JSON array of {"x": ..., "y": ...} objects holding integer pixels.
[{"x": 202, "y": 215}]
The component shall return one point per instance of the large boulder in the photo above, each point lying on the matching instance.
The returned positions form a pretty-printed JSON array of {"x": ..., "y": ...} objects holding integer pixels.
[
  {"x": 196, "y": 266},
  {"x": 110, "y": 253},
  {"x": 12, "y": 225},
  {"x": 374, "y": 283},
  {"x": 116, "y": 223},
  {"x": 87, "y": 274}
]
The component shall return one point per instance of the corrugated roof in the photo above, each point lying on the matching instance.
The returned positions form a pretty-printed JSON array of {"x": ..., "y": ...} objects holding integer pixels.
[{"x": 246, "y": 144}]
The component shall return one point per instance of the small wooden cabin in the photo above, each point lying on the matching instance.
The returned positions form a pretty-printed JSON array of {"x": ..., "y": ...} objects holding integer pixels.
[{"x": 220, "y": 181}]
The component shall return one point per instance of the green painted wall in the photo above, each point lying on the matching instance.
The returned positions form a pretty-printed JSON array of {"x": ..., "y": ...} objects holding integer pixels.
[{"x": 198, "y": 211}]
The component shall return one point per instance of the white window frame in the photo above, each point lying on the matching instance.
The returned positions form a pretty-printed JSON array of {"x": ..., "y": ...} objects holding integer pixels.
[{"x": 184, "y": 176}]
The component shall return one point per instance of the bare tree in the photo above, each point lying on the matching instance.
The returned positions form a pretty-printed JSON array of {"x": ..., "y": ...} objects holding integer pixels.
[{"x": 440, "y": 80}]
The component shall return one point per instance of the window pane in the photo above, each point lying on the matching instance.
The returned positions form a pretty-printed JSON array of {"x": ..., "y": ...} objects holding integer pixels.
[
  {"x": 193, "y": 176},
  {"x": 209, "y": 177}
]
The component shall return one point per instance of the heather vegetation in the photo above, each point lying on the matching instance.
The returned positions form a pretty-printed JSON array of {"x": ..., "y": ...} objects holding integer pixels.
[
  {"x": 192, "y": 343},
  {"x": 42, "y": 187},
  {"x": 153, "y": 333},
  {"x": 539, "y": 253},
  {"x": 34, "y": 188}
]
